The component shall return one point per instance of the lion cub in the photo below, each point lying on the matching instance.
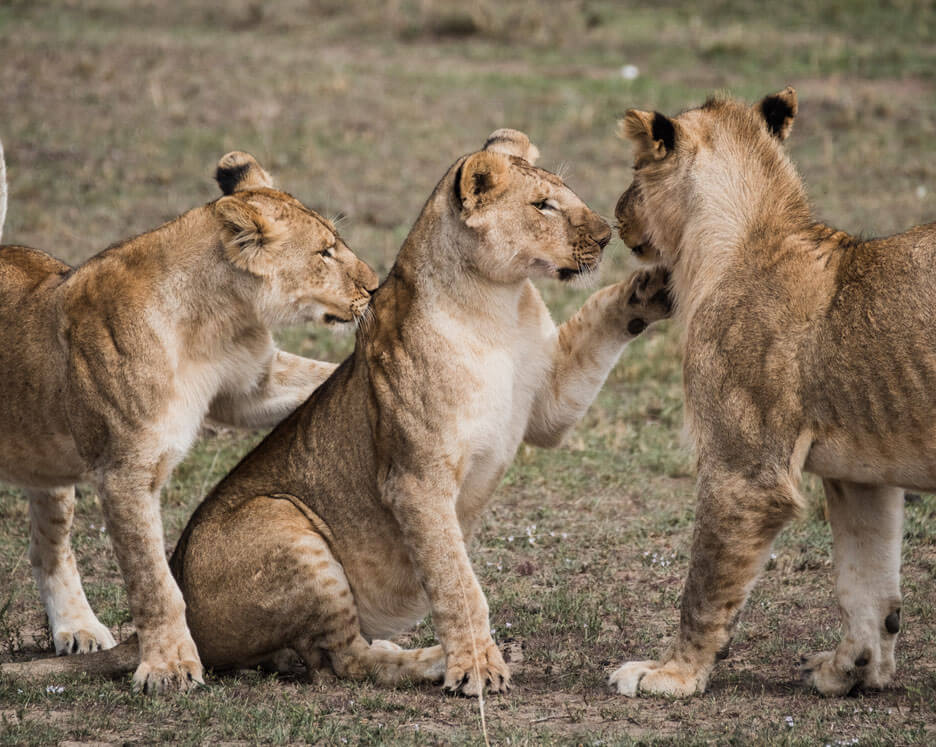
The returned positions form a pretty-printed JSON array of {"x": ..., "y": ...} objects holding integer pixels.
[
  {"x": 805, "y": 348},
  {"x": 107, "y": 371},
  {"x": 349, "y": 522}
]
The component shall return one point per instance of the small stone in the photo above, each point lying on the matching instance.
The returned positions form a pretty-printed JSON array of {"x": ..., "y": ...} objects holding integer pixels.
[{"x": 630, "y": 72}]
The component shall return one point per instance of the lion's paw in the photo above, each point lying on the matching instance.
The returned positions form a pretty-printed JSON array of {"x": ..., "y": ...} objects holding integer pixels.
[
  {"x": 648, "y": 299},
  {"x": 83, "y": 640},
  {"x": 831, "y": 674},
  {"x": 657, "y": 679},
  {"x": 464, "y": 677},
  {"x": 162, "y": 673}
]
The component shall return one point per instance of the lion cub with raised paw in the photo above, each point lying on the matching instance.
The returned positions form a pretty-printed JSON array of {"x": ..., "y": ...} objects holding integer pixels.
[
  {"x": 805, "y": 348},
  {"x": 107, "y": 371},
  {"x": 349, "y": 522}
]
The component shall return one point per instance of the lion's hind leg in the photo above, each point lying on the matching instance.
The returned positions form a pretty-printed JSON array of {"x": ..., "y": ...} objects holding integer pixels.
[
  {"x": 336, "y": 632},
  {"x": 386, "y": 662},
  {"x": 74, "y": 626},
  {"x": 275, "y": 584},
  {"x": 867, "y": 526},
  {"x": 390, "y": 664}
]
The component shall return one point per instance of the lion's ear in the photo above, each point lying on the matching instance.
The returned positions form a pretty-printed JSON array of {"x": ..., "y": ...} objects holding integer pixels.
[
  {"x": 238, "y": 170},
  {"x": 249, "y": 238},
  {"x": 655, "y": 133},
  {"x": 481, "y": 178},
  {"x": 779, "y": 111},
  {"x": 512, "y": 143}
]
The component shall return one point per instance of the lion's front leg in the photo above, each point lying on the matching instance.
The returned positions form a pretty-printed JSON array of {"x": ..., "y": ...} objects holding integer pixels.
[
  {"x": 168, "y": 657},
  {"x": 588, "y": 346},
  {"x": 425, "y": 510},
  {"x": 737, "y": 519},
  {"x": 287, "y": 383},
  {"x": 867, "y": 526}
]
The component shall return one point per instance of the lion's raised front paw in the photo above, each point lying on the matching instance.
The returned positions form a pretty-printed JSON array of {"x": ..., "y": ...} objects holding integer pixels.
[
  {"x": 654, "y": 678},
  {"x": 162, "y": 673},
  {"x": 463, "y": 677},
  {"x": 648, "y": 299}
]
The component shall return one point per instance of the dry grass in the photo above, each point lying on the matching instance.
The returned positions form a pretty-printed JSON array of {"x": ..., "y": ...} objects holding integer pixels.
[{"x": 113, "y": 115}]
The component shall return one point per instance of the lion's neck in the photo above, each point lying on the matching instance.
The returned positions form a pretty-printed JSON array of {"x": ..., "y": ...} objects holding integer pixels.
[
  {"x": 189, "y": 284},
  {"x": 433, "y": 261},
  {"x": 745, "y": 219}
]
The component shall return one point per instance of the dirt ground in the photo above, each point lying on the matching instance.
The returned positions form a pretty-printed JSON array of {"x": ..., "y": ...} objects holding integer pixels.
[{"x": 113, "y": 115}]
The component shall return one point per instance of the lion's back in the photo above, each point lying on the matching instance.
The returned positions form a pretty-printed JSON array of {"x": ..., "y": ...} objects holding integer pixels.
[{"x": 25, "y": 271}]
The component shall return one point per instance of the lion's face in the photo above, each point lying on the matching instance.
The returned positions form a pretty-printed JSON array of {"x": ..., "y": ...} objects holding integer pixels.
[
  {"x": 527, "y": 221},
  {"x": 632, "y": 227},
  {"x": 313, "y": 275},
  {"x": 307, "y": 271},
  {"x": 690, "y": 162}
]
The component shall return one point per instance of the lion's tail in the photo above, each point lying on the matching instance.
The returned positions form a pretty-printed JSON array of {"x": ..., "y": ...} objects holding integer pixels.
[
  {"x": 3, "y": 190},
  {"x": 114, "y": 661}
]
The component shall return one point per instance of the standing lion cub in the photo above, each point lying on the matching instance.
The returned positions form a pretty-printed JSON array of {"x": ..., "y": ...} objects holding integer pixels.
[
  {"x": 349, "y": 522},
  {"x": 107, "y": 371},
  {"x": 805, "y": 348}
]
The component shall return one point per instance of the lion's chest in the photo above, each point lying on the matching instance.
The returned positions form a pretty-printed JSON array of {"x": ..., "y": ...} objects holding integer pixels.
[{"x": 496, "y": 420}]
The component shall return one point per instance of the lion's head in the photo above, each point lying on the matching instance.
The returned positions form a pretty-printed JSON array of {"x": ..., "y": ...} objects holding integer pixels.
[
  {"x": 524, "y": 221},
  {"x": 307, "y": 271},
  {"x": 705, "y": 165}
]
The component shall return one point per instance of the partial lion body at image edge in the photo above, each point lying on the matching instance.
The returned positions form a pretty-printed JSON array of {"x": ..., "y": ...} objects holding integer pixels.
[{"x": 108, "y": 370}]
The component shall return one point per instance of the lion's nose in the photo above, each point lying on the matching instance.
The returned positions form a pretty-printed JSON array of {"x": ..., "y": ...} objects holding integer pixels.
[
  {"x": 368, "y": 278},
  {"x": 604, "y": 237}
]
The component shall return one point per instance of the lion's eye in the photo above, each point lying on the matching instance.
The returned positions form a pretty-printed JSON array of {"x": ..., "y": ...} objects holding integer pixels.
[
  {"x": 546, "y": 205},
  {"x": 329, "y": 252}
]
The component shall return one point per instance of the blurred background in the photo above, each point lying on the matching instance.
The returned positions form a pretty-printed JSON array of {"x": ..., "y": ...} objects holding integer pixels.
[{"x": 113, "y": 115}]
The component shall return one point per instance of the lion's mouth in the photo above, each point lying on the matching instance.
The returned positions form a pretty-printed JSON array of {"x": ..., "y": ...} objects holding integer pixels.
[
  {"x": 567, "y": 273},
  {"x": 335, "y": 319}
]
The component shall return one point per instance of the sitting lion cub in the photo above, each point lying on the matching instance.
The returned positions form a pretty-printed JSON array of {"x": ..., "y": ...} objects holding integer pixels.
[
  {"x": 348, "y": 523},
  {"x": 805, "y": 348},
  {"x": 108, "y": 370}
]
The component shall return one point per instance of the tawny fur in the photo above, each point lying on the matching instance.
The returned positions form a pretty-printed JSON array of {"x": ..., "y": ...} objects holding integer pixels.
[
  {"x": 349, "y": 522},
  {"x": 3, "y": 191},
  {"x": 805, "y": 348},
  {"x": 107, "y": 371}
]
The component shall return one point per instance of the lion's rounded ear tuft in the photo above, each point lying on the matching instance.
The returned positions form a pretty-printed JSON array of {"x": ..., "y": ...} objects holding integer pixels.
[
  {"x": 238, "y": 170},
  {"x": 249, "y": 238},
  {"x": 512, "y": 143},
  {"x": 652, "y": 132},
  {"x": 481, "y": 177},
  {"x": 779, "y": 110}
]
